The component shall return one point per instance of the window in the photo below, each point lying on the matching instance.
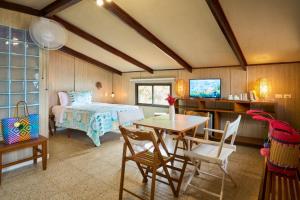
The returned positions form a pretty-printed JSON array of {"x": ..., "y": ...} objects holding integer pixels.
[{"x": 149, "y": 94}]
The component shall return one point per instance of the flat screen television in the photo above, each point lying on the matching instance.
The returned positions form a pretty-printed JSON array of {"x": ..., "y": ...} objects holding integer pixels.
[{"x": 205, "y": 88}]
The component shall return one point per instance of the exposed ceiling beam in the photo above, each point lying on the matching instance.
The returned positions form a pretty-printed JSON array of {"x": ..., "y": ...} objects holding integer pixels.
[
  {"x": 19, "y": 8},
  {"x": 276, "y": 63},
  {"x": 101, "y": 44},
  {"x": 223, "y": 23},
  {"x": 126, "y": 18},
  {"x": 57, "y": 6},
  {"x": 89, "y": 59}
]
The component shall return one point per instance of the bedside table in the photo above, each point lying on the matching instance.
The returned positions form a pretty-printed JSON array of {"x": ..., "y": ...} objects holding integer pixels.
[{"x": 52, "y": 124}]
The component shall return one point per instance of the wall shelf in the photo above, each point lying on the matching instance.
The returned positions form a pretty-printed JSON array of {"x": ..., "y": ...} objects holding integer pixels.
[{"x": 219, "y": 106}]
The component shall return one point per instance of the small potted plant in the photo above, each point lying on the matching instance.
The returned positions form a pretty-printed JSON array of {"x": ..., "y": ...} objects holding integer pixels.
[{"x": 171, "y": 100}]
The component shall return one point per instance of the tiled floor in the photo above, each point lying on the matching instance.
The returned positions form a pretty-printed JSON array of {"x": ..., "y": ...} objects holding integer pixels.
[{"x": 78, "y": 170}]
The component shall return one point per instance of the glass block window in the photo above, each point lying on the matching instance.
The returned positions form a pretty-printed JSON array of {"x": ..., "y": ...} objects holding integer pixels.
[
  {"x": 19, "y": 71},
  {"x": 152, "y": 94}
]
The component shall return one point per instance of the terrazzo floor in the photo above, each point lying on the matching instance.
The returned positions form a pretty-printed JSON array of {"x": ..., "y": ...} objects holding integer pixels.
[{"x": 78, "y": 170}]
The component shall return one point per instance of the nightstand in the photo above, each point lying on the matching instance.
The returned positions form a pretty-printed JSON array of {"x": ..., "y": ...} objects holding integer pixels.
[{"x": 52, "y": 124}]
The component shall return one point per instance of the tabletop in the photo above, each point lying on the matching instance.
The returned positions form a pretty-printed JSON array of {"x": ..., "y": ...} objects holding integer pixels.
[{"x": 181, "y": 123}]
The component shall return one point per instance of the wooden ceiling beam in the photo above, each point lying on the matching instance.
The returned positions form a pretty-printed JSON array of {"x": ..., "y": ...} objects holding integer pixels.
[
  {"x": 130, "y": 21},
  {"x": 89, "y": 60},
  {"x": 101, "y": 44},
  {"x": 19, "y": 8},
  {"x": 57, "y": 6},
  {"x": 223, "y": 23}
]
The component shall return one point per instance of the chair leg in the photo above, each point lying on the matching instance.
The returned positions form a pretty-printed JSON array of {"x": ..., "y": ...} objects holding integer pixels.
[
  {"x": 169, "y": 179},
  {"x": 222, "y": 187},
  {"x": 153, "y": 183},
  {"x": 122, "y": 172},
  {"x": 229, "y": 176},
  {"x": 194, "y": 172},
  {"x": 181, "y": 177},
  {"x": 224, "y": 169},
  {"x": 145, "y": 179},
  {"x": 198, "y": 168}
]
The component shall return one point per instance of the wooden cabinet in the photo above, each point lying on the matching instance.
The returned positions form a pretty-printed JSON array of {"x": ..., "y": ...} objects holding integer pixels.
[{"x": 219, "y": 106}]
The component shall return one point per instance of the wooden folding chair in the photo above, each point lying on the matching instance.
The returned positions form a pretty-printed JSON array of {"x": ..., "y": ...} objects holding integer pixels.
[
  {"x": 126, "y": 119},
  {"x": 147, "y": 160}
]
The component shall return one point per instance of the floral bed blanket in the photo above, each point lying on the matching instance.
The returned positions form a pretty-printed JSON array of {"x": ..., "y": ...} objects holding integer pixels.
[{"x": 95, "y": 119}]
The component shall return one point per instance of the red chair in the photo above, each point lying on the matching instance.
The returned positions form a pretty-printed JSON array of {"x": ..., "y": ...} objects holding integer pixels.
[{"x": 283, "y": 153}]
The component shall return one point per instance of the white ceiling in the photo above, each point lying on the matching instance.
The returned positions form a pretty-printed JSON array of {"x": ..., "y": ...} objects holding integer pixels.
[
  {"x": 189, "y": 29},
  {"x": 105, "y": 26},
  {"x": 267, "y": 31},
  {"x": 81, "y": 45}
]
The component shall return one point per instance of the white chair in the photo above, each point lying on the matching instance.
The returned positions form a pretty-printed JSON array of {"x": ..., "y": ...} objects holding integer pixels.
[
  {"x": 126, "y": 119},
  {"x": 212, "y": 152}
]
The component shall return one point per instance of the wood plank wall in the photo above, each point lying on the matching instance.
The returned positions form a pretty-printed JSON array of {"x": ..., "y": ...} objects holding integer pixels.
[
  {"x": 68, "y": 73},
  {"x": 284, "y": 79},
  {"x": 22, "y": 21}
]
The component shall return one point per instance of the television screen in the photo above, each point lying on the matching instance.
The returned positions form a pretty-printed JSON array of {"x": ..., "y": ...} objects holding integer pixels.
[{"x": 205, "y": 88}]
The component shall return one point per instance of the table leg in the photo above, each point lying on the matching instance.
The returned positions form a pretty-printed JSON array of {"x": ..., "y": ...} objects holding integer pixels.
[
  {"x": 34, "y": 154},
  {"x": 54, "y": 126},
  {"x": 50, "y": 128},
  {"x": 44, "y": 155},
  {"x": 217, "y": 125},
  {"x": 160, "y": 140},
  {"x": 181, "y": 177},
  {"x": 194, "y": 136}
]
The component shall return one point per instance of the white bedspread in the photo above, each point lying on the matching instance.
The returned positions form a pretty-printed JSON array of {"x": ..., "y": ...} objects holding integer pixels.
[{"x": 95, "y": 119}]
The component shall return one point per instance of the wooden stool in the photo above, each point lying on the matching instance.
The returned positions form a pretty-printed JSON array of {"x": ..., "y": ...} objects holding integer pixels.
[
  {"x": 36, "y": 152},
  {"x": 281, "y": 187}
]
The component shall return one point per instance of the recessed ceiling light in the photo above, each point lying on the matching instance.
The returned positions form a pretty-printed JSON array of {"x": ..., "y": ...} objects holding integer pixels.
[{"x": 99, "y": 2}]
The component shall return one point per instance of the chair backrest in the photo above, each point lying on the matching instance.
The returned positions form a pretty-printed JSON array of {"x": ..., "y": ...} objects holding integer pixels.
[
  {"x": 130, "y": 136},
  {"x": 202, "y": 114},
  {"x": 230, "y": 129},
  {"x": 126, "y": 118}
]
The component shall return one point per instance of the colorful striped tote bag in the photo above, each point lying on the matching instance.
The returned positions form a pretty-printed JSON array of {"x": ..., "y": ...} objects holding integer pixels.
[{"x": 20, "y": 128}]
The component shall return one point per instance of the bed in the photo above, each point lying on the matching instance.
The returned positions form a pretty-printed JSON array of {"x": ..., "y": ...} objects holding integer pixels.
[{"x": 95, "y": 119}]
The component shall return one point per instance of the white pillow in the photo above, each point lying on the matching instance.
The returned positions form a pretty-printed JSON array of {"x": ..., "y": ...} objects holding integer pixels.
[
  {"x": 63, "y": 98},
  {"x": 79, "y": 98}
]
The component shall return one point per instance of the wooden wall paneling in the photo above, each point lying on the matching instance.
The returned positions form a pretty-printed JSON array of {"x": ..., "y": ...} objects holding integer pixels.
[
  {"x": 15, "y": 19},
  {"x": 297, "y": 96},
  {"x": 68, "y": 73},
  {"x": 61, "y": 75},
  {"x": 238, "y": 81},
  {"x": 283, "y": 79},
  {"x": 19, "y": 8},
  {"x": 86, "y": 76}
]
